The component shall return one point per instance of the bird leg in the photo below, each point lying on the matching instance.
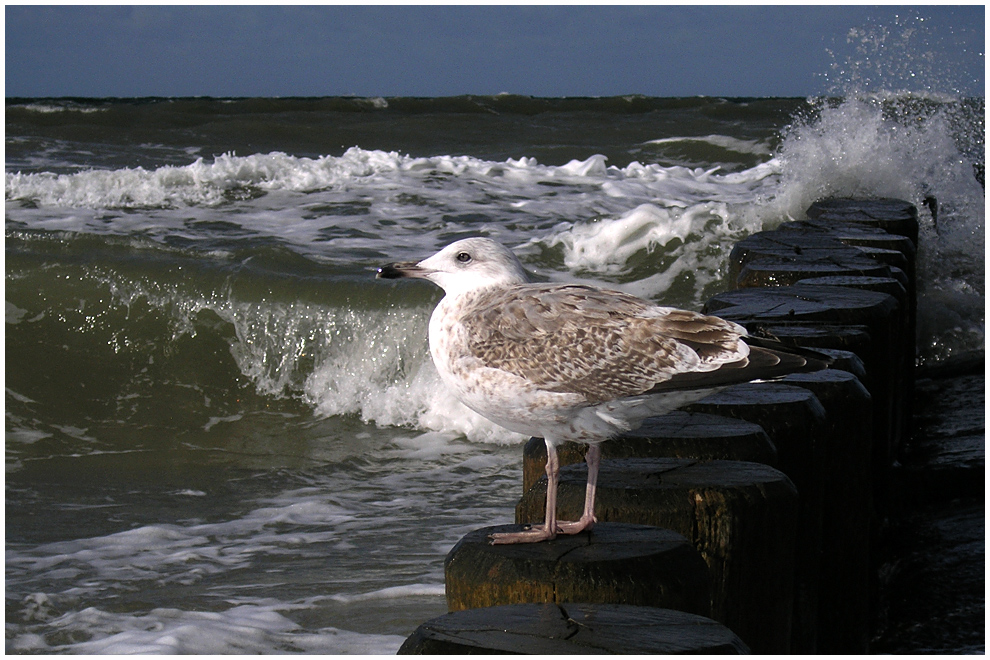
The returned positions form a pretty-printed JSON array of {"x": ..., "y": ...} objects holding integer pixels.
[
  {"x": 593, "y": 458},
  {"x": 549, "y": 529}
]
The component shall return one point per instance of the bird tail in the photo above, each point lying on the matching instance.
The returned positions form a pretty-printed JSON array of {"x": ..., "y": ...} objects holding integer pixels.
[{"x": 797, "y": 358}]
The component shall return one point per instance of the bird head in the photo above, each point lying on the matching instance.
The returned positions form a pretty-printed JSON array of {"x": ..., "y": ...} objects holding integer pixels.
[{"x": 466, "y": 265}]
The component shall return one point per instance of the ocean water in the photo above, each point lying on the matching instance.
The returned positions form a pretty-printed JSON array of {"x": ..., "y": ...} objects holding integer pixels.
[{"x": 224, "y": 435}]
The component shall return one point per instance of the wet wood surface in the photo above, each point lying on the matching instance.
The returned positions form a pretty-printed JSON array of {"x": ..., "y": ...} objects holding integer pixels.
[
  {"x": 572, "y": 628},
  {"x": 847, "y": 510},
  {"x": 678, "y": 434},
  {"x": 894, "y": 216},
  {"x": 883, "y": 356},
  {"x": 796, "y": 422},
  {"x": 742, "y": 517},
  {"x": 614, "y": 563}
]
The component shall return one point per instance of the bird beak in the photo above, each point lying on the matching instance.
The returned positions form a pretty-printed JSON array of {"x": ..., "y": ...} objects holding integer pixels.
[{"x": 401, "y": 269}]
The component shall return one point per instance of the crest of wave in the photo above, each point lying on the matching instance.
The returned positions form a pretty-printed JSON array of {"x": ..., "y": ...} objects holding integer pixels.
[
  {"x": 369, "y": 363},
  {"x": 377, "y": 367},
  {"x": 675, "y": 252},
  {"x": 343, "y": 361},
  {"x": 924, "y": 143},
  {"x": 228, "y": 176},
  {"x": 199, "y": 183},
  {"x": 911, "y": 148}
]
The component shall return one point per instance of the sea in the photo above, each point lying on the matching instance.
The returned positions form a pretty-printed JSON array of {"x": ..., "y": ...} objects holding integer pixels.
[{"x": 225, "y": 435}]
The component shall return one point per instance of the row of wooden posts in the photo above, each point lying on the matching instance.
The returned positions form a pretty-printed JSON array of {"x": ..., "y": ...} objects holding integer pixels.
[{"x": 743, "y": 522}]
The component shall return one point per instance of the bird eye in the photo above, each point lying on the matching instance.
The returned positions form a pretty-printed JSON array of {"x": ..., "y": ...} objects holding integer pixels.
[{"x": 463, "y": 257}]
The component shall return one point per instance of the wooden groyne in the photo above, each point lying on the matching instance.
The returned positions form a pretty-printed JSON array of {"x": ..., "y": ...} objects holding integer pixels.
[{"x": 745, "y": 522}]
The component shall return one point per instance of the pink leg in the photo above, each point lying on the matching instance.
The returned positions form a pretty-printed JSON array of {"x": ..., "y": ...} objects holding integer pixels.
[
  {"x": 549, "y": 528},
  {"x": 588, "y": 520}
]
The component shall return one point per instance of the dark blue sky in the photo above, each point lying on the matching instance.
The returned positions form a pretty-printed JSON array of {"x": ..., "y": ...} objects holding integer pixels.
[{"x": 451, "y": 50}]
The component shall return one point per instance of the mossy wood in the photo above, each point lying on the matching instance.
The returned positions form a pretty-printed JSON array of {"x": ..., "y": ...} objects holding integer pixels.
[
  {"x": 740, "y": 516},
  {"x": 796, "y": 423},
  {"x": 614, "y": 563}
]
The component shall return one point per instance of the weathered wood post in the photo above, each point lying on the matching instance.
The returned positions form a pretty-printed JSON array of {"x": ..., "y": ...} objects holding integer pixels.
[
  {"x": 741, "y": 517},
  {"x": 572, "y": 628},
  {"x": 614, "y": 563},
  {"x": 894, "y": 216},
  {"x": 678, "y": 434},
  {"x": 847, "y": 508},
  {"x": 795, "y": 421},
  {"x": 903, "y": 323},
  {"x": 873, "y": 312}
]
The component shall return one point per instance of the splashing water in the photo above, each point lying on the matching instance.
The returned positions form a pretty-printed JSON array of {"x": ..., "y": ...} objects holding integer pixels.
[
  {"x": 908, "y": 53},
  {"x": 898, "y": 125}
]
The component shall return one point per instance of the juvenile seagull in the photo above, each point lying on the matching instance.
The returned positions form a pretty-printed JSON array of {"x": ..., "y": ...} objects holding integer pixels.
[{"x": 572, "y": 362}]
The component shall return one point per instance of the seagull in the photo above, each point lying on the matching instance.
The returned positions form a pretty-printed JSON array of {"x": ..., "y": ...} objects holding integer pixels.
[{"x": 572, "y": 362}]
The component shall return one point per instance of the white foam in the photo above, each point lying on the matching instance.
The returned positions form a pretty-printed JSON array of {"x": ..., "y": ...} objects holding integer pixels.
[
  {"x": 358, "y": 175},
  {"x": 25, "y": 436},
  {"x": 14, "y": 314},
  {"x": 859, "y": 147},
  {"x": 206, "y": 183},
  {"x": 400, "y": 591},
  {"x": 221, "y": 420},
  {"x": 607, "y": 245},
  {"x": 50, "y": 108},
  {"x": 729, "y": 143},
  {"x": 353, "y": 530},
  {"x": 189, "y": 492},
  {"x": 185, "y": 554},
  {"x": 242, "y": 629}
]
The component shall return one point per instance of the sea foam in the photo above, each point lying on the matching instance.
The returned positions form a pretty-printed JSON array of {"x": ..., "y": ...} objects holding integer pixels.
[
  {"x": 757, "y": 147},
  {"x": 889, "y": 145},
  {"x": 242, "y": 629}
]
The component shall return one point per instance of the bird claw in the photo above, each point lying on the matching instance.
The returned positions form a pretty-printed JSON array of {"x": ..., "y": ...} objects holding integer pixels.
[
  {"x": 531, "y": 535},
  {"x": 541, "y": 533},
  {"x": 578, "y": 526}
]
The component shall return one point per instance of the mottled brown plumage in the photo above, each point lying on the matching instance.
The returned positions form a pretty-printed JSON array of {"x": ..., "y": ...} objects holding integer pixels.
[{"x": 603, "y": 345}]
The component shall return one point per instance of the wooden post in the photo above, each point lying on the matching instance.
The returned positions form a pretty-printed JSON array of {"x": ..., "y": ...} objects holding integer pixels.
[
  {"x": 873, "y": 237},
  {"x": 845, "y": 361},
  {"x": 678, "y": 434},
  {"x": 572, "y": 628},
  {"x": 783, "y": 272},
  {"x": 778, "y": 258},
  {"x": 740, "y": 516},
  {"x": 858, "y": 235},
  {"x": 808, "y": 305},
  {"x": 795, "y": 421},
  {"x": 614, "y": 563},
  {"x": 844, "y": 585},
  {"x": 894, "y": 216},
  {"x": 904, "y": 323},
  {"x": 877, "y": 243}
]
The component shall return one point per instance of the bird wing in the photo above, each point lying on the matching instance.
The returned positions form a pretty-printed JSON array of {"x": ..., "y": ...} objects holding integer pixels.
[{"x": 601, "y": 344}]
